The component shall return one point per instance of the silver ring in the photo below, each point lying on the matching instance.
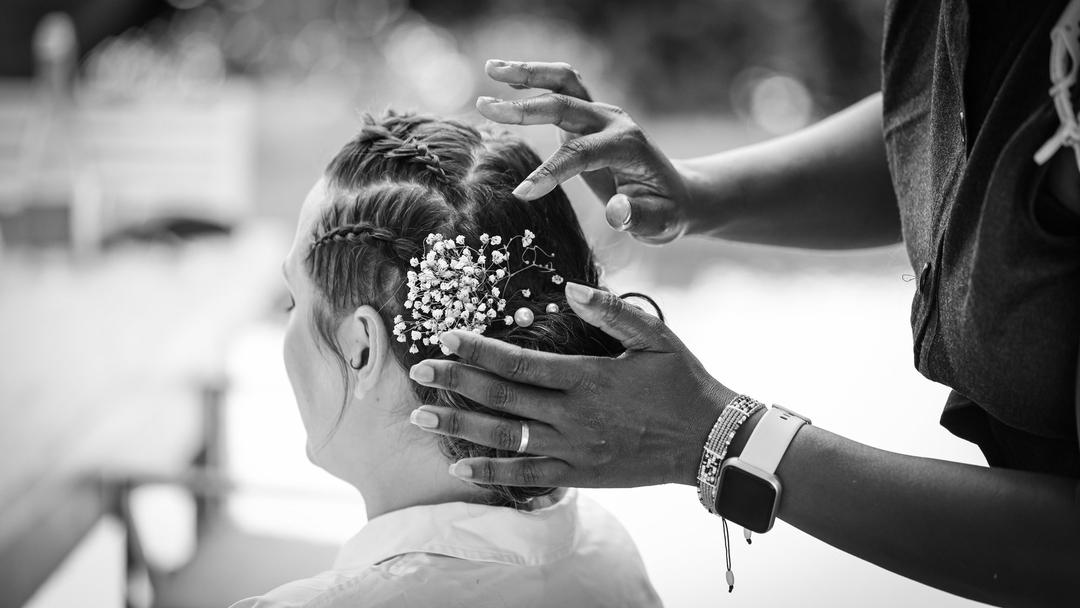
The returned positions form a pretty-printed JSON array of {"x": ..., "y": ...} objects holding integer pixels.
[{"x": 524, "y": 445}]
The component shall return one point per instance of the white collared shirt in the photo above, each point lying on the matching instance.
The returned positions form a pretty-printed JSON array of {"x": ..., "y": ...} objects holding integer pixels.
[{"x": 573, "y": 553}]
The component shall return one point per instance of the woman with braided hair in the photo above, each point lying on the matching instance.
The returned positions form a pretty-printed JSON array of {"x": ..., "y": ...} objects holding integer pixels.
[{"x": 413, "y": 230}]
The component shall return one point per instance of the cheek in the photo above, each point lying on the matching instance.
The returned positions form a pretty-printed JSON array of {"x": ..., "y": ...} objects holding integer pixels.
[{"x": 314, "y": 376}]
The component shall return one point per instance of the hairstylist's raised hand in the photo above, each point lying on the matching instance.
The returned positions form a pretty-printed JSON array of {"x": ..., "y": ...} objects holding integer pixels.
[
  {"x": 644, "y": 193},
  {"x": 639, "y": 419}
]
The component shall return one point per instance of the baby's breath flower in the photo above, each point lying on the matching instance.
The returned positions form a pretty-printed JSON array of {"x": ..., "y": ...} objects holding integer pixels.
[{"x": 455, "y": 286}]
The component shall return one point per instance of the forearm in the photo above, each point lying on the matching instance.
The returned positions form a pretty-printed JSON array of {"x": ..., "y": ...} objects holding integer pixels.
[
  {"x": 994, "y": 535},
  {"x": 825, "y": 187}
]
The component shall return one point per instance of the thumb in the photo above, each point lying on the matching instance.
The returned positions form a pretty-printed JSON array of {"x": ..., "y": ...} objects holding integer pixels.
[{"x": 633, "y": 327}]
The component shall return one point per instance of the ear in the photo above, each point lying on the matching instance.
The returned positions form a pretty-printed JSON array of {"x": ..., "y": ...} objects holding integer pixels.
[{"x": 365, "y": 344}]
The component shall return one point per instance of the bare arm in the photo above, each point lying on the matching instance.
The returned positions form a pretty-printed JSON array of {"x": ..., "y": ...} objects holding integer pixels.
[
  {"x": 824, "y": 187},
  {"x": 994, "y": 535}
]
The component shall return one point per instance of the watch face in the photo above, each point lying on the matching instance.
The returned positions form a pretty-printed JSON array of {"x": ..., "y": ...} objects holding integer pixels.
[{"x": 746, "y": 499}]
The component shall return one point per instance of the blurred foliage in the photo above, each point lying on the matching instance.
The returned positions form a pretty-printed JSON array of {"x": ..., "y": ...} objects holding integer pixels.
[
  {"x": 686, "y": 56},
  {"x": 682, "y": 56}
]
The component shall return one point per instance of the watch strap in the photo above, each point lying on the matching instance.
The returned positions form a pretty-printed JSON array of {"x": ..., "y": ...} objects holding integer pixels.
[{"x": 770, "y": 438}]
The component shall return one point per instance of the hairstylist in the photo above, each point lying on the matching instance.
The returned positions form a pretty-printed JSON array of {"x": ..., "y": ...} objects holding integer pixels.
[{"x": 943, "y": 158}]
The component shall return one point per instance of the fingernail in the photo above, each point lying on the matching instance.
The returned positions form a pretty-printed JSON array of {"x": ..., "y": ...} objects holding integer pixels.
[
  {"x": 488, "y": 99},
  {"x": 497, "y": 63},
  {"x": 424, "y": 419},
  {"x": 450, "y": 341},
  {"x": 577, "y": 293},
  {"x": 421, "y": 372},
  {"x": 461, "y": 470},
  {"x": 524, "y": 189}
]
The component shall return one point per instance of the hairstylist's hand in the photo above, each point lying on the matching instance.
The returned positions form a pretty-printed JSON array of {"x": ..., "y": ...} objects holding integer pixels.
[
  {"x": 644, "y": 193},
  {"x": 640, "y": 419}
]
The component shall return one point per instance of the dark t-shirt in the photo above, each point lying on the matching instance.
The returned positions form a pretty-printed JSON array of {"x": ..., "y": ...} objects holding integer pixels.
[{"x": 997, "y": 312}]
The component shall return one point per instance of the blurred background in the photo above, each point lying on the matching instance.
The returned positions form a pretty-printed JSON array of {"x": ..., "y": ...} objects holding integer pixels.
[{"x": 153, "y": 157}]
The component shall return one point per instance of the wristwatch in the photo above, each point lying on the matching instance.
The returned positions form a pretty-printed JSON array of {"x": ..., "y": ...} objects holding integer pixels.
[{"x": 748, "y": 491}]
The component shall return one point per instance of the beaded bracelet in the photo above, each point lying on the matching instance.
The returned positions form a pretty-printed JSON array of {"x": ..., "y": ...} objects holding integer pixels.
[{"x": 735, "y": 413}]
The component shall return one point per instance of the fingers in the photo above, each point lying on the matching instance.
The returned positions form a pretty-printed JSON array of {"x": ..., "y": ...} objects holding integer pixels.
[
  {"x": 527, "y": 471},
  {"x": 490, "y": 431},
  {"x": 512, "y": 362},
  {"x": 569, "y": 107},
  {"x": 633, "y": 327},
  {"x": 482, "y": 387},
  {"x": 555, "y": 77},
  {"x": 567, "y": 113},
  {"x": 586, "y": 153}
]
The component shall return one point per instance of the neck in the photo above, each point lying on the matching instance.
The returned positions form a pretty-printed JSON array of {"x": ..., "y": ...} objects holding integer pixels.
[
  {"x": 392, "y": 463},
  {"x": 417, "y": 476}
]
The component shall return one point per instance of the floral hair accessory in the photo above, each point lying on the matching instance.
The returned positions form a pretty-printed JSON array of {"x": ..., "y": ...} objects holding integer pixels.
[{"x": 456, "y": 286}]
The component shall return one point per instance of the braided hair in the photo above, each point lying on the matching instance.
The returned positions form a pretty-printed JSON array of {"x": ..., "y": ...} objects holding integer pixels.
[{"x": 405, "y": 176}]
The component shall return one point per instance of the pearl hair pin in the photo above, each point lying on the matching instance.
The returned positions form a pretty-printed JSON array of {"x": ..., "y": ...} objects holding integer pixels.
[{"x": 524, "y": 317}]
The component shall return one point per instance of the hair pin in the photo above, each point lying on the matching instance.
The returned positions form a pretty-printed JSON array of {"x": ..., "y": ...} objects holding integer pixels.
[{"x": 524, "y": 317}]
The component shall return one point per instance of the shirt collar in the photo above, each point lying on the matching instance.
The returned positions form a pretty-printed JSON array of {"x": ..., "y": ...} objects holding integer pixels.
[{"x": 468, "y": 531}]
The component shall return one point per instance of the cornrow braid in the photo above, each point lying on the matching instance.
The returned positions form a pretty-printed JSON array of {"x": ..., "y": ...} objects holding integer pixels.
[
  {"x": 366, "y": 233},
  {"x": 357, "y": 249},
  {"x": 381, "y": 140}
]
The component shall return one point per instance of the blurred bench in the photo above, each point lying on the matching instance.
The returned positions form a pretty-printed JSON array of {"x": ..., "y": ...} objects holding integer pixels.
[
  {"x": 112, "y": 366},
  {"x": 133, "y": 159}
]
